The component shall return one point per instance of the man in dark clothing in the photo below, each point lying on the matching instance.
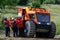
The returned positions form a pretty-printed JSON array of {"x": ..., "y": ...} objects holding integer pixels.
[
  {"x": 6, "y": 26},
  {"x": 14, "y": 27}
]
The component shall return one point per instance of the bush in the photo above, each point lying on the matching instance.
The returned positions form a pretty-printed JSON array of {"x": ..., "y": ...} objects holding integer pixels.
[
  {"x": 36, "y": 4},
  {"x": 29, "y": 4},
  {"x": 57, "y": 1},
  {"x": 23, "y": 2}
]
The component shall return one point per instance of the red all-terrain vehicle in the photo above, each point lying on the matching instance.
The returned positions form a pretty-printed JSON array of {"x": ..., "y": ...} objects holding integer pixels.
[{"x": 38, "y": 22}]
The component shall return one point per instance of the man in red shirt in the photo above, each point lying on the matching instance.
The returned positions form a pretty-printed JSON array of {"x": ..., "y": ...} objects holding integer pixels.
[
  {"x": 19, "y": 22},
  {"x": 10, "y": 22}
]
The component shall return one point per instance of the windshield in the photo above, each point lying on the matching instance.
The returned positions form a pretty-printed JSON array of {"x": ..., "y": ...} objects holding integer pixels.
[{"x": 43, "y": 17}]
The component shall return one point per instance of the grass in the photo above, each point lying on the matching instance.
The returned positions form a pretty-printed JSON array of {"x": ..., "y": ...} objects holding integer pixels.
[
  {"x": 1, "y": 27},
  {"x": 8, "y": 13},
  {"x": 55, "y": 13},
  {"x": 54, "y": 10}
]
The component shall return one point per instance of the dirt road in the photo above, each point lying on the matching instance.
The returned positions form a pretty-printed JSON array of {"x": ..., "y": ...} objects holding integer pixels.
[
  {"x": 28, "y": 39},
  {"x": 2, "y": 37}
]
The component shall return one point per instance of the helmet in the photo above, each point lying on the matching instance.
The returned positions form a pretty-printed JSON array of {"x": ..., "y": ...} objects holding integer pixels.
[
  {"x": 5, "y": 18},
  {"x": 12, "y": 18},
  {"x": 19, "y": 16}
]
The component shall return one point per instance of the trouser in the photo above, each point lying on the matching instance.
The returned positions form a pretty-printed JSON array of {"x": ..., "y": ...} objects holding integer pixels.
[
  {"x": 15, "y": 31},
  {"x": 21, "y": 32},
  {"x": 7, "y": 32},
  {"x": 27, "y": 31}
]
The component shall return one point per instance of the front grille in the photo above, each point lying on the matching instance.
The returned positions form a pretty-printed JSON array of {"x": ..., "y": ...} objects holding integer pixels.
[{"x": 38, "y": 26}]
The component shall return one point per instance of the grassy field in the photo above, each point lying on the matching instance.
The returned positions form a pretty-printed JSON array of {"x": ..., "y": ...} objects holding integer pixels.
[{"x": 54, "y": 10}]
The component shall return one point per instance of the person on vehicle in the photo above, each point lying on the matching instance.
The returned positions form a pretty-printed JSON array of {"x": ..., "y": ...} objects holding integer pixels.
[
  {"x": 19, "y": 22},
  {"x": 6, "y": 26}
]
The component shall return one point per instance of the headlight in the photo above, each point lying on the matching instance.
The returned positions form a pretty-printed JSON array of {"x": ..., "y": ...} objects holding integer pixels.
[
  {"x": 48, "y": 23},
  {"x": 38, "y": 22}
]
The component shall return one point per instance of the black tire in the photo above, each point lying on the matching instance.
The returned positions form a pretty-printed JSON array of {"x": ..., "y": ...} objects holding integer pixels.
[
  {"x": 30, "y": 26},
  {"x": 52, "y": 32}
]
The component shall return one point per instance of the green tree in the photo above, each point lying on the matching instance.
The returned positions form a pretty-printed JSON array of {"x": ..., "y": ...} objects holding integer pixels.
[
  {"x": 12, "y": 2},
  {"x": 41, "y": 1},
  {"x": 8, "y": 3},
  {"x": 57, "y": 1},
  {"x": 23, "y": 2},
  {"x": 37, "y": 3},
  {"x": 3, "y": 3}
]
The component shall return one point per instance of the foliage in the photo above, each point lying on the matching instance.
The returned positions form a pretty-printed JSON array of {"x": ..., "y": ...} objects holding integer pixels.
[
  {"x": 50, "y": 2},
  {"x": 12, "y": 2},
  {"x": 57, "y": 1},
  {"x": 23, "y": 2},
  {"x": 37, "y": 3},
  {"x": 3, "y": 3}
]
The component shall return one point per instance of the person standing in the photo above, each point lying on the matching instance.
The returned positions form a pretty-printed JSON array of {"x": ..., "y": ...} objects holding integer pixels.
[
  {"x": 19, "y": 22},
  {"x": 14, "y": 27},
  {"x": 6, "y": 26}
]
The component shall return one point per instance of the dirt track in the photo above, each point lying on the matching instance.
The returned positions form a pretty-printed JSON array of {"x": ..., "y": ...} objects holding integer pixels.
[
  {"x": 28, "y": 39},
  {"x": 12, "y": 38},
  {"x": 2, "y": 37},
  {"x": 57, "y": 37}
]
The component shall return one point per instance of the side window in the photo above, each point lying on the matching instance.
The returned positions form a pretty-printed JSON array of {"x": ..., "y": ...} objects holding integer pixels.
[{"x": 31, "y": 16}]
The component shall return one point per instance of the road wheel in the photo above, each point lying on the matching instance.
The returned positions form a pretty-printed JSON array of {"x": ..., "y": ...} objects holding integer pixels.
[
  {"x": 30, "y": 28},
  {"x": 52, "y": 32}
]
